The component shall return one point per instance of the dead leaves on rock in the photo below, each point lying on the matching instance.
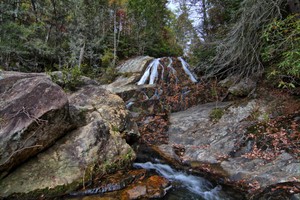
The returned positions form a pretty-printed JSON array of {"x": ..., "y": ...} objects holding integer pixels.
[{"x": 281, "y": 134}]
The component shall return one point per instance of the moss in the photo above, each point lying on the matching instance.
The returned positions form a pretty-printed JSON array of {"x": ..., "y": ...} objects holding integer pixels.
[
  {"x": 127, "y": 74},
  {"x": 129, "y": 156},
  {"x": 58, "y": 192},
  {"x": 109, "y": 74},
  {"x": 46, "y": 193},
  {"x": 216, "y": 114},
  {"x": 115, "y": 129}
]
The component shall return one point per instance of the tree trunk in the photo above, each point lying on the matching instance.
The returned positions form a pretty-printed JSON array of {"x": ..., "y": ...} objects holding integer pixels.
[
  {"x": 115, "y": 39},
  {"x": 81, "y": 55},
  {"x": 205, "y": 22}
]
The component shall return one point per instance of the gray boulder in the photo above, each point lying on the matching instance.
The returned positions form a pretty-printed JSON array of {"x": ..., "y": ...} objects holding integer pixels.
[
  {"x": 243, "y": 88},
  {"x": 239, "y": 87},
  {"x": 130, "y": 71},
  {"x": 33, "y": 115},
  {"x": 95, "y": 147},
  {"x": 211, "y": 146}
]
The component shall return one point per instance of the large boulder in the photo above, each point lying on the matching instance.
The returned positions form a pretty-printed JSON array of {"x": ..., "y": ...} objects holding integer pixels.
[
  {"x": 130, "y": 71},
  {"x": 34, "y": 113},
  {"x": 96, "y": 146},
  {"x": 213, "y": 147}
]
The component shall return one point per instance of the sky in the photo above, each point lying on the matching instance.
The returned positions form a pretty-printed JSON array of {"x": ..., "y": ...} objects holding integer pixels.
[
  {"x": 172, "y": 5},
  {"x": 194, "y": 12}
]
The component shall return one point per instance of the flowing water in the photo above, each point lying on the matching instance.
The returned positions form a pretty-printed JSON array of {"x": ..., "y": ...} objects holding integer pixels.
[
  {"x": 186, "y": 186},
  {"x": 185, "y": 66},
  {"x": 152, "y": 71}
]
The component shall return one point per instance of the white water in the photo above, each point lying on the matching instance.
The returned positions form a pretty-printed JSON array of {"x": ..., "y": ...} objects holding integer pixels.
[
  {"x": 151, "y": 71},
  {"x": 194, "y": 184},
  {"x": 185, "y": 66}
]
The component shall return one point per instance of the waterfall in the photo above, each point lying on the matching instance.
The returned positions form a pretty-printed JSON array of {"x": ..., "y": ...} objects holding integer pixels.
[
  {"x": 152, "y": 68},
  {"x": 152, "y": 71},
  {"x": 185, "y": 66},
  {"x": 196, "y": 185}
]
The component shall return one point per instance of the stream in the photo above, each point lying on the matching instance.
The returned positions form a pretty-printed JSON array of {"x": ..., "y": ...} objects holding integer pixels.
[{"x": 185, "y": 186}]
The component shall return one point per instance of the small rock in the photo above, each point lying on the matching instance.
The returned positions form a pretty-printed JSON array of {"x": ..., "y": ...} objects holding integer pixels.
[
  {"x": 228, "y": 82},
  {"x": 243, "y": 88},
  {"x": 137, "y": 192},
  {"x": 153, "y": 187}
]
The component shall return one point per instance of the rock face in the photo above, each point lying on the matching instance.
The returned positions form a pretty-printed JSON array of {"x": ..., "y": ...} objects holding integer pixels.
[
  {"x": 96, "y": 146},
  {"x": 129, "y": 72},
  {"x": 211, "y": 147},
  {"x": 239, "y": 88},
  {"x": 243, "y": 88},
  {"x": 33, "y": 114}
]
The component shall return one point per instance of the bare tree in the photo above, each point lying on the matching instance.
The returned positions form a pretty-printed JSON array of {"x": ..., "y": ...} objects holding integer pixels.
[{"x": 239, "y": 53}]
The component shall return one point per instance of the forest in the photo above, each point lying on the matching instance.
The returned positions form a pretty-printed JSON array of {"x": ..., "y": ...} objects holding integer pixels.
[{"x": 223, "y": 37}]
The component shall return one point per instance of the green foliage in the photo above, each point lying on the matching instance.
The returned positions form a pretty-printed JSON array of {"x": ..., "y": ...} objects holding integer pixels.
[
  {"x": 152, "y": 32},
  {"x": 40, "y": 35},
  {"x": 162, "y": 48},
  {"x": 90, "y": 70},
  {"x": 221, "y": 13},
  {"x": 282, "y": 51},
  {"x": 107, "y": 58},
  {"x": 216, "y": 114},
  {"x": 69, "y": 79},
  {"x": 202, "y": 56},
  {"x": 238, "y": 54},
  {"x": 108, "y": 75}
]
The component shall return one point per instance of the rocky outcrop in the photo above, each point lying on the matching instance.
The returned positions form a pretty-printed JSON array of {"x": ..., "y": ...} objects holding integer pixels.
[
  {"x": 212, "y": 147},
  {"x": 130, "y": 71},
  {"x": 96, "y": 146},
  {"x": 34, "y": 113},
  {"x": 237, "y": 87},
  {"x": 243, "y": 88}
]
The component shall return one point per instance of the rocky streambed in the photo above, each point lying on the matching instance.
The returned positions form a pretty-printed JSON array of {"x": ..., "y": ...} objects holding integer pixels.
[{"x": 82, "y": 144}]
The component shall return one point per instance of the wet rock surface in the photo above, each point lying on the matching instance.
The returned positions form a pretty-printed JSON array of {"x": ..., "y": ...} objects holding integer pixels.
[
  {"x": 30, "y": 104},
  {"x": 134, "y": 184},
  {"x": 153, "y": 187},
  {"x": 211, "y": 147}
]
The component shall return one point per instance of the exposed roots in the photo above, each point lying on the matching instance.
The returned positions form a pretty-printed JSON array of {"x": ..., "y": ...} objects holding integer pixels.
[{"x": 239, "y": 53}]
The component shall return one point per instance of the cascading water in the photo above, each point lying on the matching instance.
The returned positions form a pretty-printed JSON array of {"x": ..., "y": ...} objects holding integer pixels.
[
  {"x": 202, "y": 188},
  {"x": 152, "y": 71},
  {"x": 185, "y": 66}
]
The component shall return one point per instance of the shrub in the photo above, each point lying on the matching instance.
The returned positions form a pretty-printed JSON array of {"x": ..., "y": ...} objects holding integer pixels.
[
  {"x": 69, "y": 78},
  {"x": 216, "y": 114},
  {"x": 282, "y": 51},
  {"x": 107, "y": 58}
]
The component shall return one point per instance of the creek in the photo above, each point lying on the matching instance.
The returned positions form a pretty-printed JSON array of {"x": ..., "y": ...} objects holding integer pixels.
[
  {"x": 169, "y": 78},
  {"x": 185, "y": 186}
]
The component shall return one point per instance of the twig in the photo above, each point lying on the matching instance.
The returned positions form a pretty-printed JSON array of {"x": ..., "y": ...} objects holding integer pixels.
[{"x": 15, "y": 152}]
